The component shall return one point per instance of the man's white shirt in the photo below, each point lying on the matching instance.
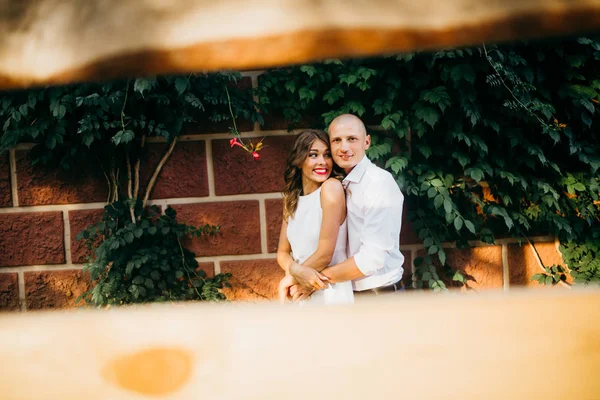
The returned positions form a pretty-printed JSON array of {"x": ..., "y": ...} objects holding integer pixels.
[{"x": 374, "y": 203}]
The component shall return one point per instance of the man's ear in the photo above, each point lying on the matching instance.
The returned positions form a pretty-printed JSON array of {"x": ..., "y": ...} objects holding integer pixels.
[{"x": 367, "y": 141}]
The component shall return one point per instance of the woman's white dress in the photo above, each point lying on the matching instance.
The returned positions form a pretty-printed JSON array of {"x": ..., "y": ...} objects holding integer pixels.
[{"x": 303, "y": 234}]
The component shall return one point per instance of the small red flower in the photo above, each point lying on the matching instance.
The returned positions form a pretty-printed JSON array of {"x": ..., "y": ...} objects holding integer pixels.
[
  {"x": 255, "y": 155},
  {"x": 234, "y": 142}
]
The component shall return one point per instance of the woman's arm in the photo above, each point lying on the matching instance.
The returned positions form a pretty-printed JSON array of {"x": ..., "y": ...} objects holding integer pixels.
[
  {"x": 284, "y": 250},
  {"x": 333, "y": 204}
]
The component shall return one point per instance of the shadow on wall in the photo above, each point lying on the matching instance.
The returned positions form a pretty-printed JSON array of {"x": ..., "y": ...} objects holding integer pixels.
[{"x": 55, "y": 289}]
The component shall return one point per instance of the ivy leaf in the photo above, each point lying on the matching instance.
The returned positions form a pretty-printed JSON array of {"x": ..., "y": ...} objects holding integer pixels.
[
  {"x": 141, "y": 85},
  {"x": 463, "y": 72},
  {"x": 58, "y": 110},
  {"x": 442, "y": 256},
  {"x": 448, "y": 206},
  {"x": 181, "y": 84},
  {"x": 348, "y": 79},
  {"x": 306, "y": 93},
  {"x": 333, "y": 95},
  {"x": 129, "y": 237},
  {"x": 437, "y": 96},
  {"x": 122, "y": 137},
  {"x": 425, "y": 150},
  {"x": 458, "y": 277},
  {"x": 475, "y": 173},
  {"x": 290, "y": 86},
  {"x": 389, "y": 121},
  {"x": 469, "y": 225},
  {"x": 396, "y": 163},
  {"x": 382, "y": 106},
  {"x": 87, "y": 139},
  {"x": 428, "y": 242},
  {"x": 138, "y": 280},
  {"x": 462, "y": 158},
  {"x": 308, "y": 70},
  {"x": 356, "y": 107},
  {"x": 458, "y": 223},
  {"x": 428, "y": 115}
]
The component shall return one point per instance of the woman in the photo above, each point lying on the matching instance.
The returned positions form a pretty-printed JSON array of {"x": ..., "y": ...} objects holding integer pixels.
[{"x": 313, "y": 232}]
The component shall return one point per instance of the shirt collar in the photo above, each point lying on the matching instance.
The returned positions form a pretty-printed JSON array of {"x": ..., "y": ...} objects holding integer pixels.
[{"x": 358, "y": 171}]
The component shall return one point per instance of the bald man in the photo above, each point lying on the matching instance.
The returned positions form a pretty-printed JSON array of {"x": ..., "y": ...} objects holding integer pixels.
[{"x": 374, "y": 205}]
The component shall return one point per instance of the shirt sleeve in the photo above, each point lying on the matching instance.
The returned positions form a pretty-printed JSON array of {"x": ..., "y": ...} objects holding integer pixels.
[{"x": 381, "y": 230}]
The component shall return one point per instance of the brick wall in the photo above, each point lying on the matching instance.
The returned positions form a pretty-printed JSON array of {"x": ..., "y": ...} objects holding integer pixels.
[{"x": 205, "y": 181}]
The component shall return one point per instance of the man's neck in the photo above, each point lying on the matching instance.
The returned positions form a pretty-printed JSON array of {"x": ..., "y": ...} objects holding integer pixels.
[{"x": 348, "y": 170}]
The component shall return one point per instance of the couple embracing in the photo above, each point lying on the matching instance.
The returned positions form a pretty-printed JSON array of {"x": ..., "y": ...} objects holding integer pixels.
[{"x": 341, "y": 219}]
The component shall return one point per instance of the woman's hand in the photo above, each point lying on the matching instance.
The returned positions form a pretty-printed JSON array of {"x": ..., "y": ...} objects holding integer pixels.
[
  {"x": 308, "y": 277},
  {"x": 299, "y": 293},
  {"x": 283, "y": 290}
]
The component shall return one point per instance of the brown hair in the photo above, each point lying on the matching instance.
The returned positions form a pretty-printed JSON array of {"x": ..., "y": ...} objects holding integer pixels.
[{"x": 293, "y": 169}]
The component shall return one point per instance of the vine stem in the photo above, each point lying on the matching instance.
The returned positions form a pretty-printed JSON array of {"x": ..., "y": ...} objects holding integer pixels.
[
  {"x": 231, "y": 111},
  {"x": 157, "y": 171},
  {"x": 487, "y": 57},
  {"x": 185, "y": 267},
  {"x": 136, "y": 187},
  {"x": 540, "y": 262}
]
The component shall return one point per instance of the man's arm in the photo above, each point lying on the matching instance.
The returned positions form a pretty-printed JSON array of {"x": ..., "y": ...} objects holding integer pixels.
[{"x": 347, "y": 270}]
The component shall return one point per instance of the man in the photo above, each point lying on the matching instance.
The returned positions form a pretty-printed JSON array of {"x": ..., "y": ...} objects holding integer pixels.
[{"x": 374, "y": 213}]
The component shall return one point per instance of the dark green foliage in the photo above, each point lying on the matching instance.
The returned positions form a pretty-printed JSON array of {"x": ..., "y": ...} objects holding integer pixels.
[
  {"x": 145, "y": 261},
  {"x": 485, "y": 142},
  {"x": 103, "y": 120},
  {"x": 139, "y": 257}
]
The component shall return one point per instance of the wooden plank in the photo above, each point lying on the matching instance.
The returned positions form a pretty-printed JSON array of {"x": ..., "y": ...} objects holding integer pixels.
[
  {"x": 61, "y": 41},
  {"x": 522, "y": 345}
]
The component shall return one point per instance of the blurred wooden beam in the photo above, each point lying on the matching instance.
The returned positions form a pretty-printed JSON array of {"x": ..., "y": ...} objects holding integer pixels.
[
  {"x": 541, "y": 344},
  {"x": 61, "y": 41}
]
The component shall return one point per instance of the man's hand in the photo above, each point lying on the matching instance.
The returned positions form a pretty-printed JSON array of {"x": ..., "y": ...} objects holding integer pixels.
[
  {"x": 299, "y": 293},
  {"x": 308, "y": 277},
  {"x": 283, "y": 290}
]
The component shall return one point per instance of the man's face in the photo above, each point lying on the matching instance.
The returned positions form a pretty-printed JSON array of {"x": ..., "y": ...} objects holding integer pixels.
[{"x": 348, "y": 145}]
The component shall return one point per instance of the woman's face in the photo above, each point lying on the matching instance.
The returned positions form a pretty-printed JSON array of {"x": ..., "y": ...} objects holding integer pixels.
[{"x": 318, "y": 164}]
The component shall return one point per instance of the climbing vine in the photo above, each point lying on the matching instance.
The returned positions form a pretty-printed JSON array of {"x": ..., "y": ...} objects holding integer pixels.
[{"x": 485, "y": 142}]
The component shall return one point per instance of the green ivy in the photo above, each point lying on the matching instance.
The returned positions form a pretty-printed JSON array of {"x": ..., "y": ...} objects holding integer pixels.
[
  {"x": 145, "y": 261},
  {"x": 485, "y": 142},
  {"x": 68, "y": 124},
  {"x": 138, "y": 257}
]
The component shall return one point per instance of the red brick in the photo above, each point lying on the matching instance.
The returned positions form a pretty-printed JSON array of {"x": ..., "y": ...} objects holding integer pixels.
[
  {"x": 9, "y": 292},
  {"x": 407, "y": 274},
  {"x": 523, "y": 264},
  {"x": 55, "y": 289},
  {"x": 183, "y": 175},
  {"x": 237, "y": 173},
  {"x": 53, "y": 185},
  {"x": 252, "y": 279},
  {"x": 31, "y": 238},
  {"x": 407, "y": 232},
  {"x": 240, "y": 227},
  {"x": 5, "y": 189},
  {"x": 78, "y": 221},
  {"x": 482, "y": 266},
  {"x": 408, "y": 235},
  {"x": 208, "y": 268},
  {"x": 274, "y": 209}
]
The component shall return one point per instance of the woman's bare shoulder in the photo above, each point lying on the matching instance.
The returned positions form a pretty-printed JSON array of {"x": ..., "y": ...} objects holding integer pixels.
[{"x": 332, "y": 190}]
